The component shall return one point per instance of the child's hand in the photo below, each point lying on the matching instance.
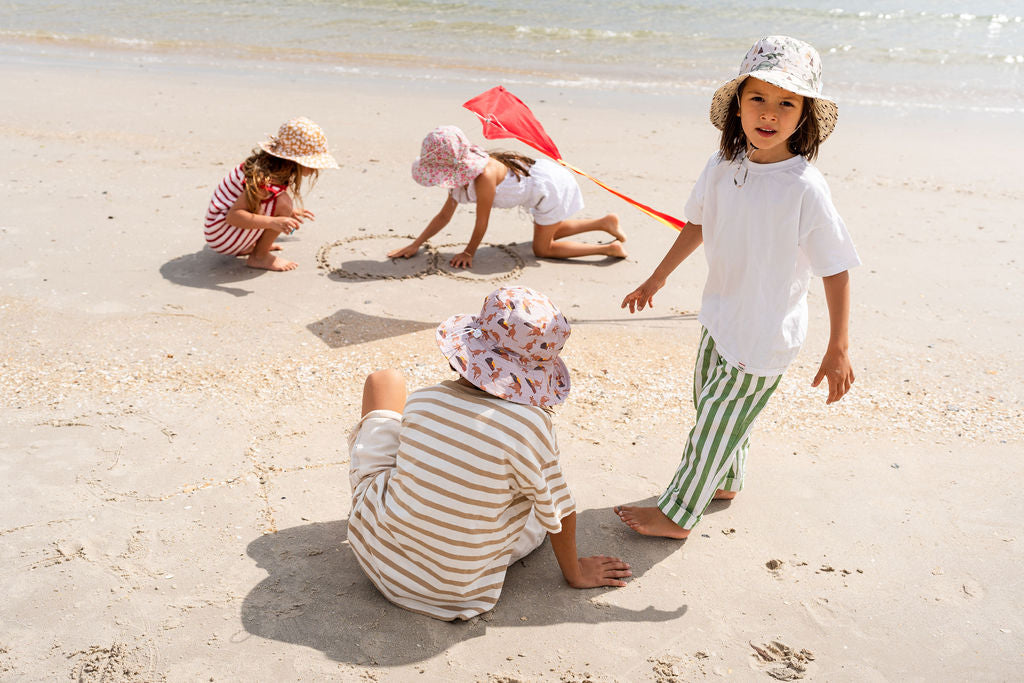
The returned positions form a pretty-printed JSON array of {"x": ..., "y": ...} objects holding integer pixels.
[
  {"x": 303, "y": 214},
  {"x": 285, "y": 224},
  {"x": 836, "y": 366},
  {"x": 643, "y": 295},
  {"x": 404, "y": 252},
  {"x": 462, "y": 260},
  {"x": 601, "y": 570}
]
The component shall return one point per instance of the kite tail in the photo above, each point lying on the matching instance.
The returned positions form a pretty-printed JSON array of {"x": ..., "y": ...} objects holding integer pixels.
[{"x": 670, "y": 221}]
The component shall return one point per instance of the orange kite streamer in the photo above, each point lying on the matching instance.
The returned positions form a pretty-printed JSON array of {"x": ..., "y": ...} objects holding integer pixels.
[{"x": 504, "y": 115}]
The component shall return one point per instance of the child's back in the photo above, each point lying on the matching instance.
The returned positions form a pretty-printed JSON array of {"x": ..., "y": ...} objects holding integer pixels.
[
  {"x": 456, "y": 482},
  {"x": 437, "y": 535}
]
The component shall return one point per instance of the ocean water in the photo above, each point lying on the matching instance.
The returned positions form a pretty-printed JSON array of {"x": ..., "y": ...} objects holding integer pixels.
[{"x": 939, "y": 54}]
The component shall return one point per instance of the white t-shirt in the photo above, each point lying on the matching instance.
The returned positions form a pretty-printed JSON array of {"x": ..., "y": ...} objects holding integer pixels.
[
  {"x": 549, "y": 193},
  {"x": 763, "y": 241}
]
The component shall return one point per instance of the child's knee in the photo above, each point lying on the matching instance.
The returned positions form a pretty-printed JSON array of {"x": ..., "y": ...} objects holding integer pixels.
[
  {"x": 384, "y": 390},
  {"x": 380, "y": 379},
  {"x": 284, "y": 205}
]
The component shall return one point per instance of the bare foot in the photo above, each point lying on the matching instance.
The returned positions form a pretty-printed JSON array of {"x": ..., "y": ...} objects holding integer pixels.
[
  {"x": 650, "y": 522},
  {"x": 724, "y": 495},
  {"x": 273, "y": 247},
  {"x": 616, "y": 250},
  {"x": 271, "y": 262},
  {"x": 611, "y": 226}
]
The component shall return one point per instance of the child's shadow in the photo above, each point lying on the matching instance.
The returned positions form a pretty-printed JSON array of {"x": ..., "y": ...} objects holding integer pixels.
[
  {"x": 316, "y": 595},
  {"x": 207, "y": 269}
]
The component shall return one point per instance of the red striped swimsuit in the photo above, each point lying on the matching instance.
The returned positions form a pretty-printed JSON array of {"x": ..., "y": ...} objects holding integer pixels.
[{"x": 228, "y": 239}]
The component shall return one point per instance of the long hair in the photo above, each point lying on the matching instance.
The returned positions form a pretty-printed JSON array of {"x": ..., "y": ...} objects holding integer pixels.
[
  {"x": 518, "y": 163},
  {"x": 803, "y": 142},
  {"x": 262, "y": 169}
]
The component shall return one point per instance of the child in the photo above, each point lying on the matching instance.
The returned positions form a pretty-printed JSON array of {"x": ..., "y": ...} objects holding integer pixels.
[
  {"x": 766, "y": 219},
  {"x": 506, "y": 180},
  {"x": 460, "y": 480},
  {"x": 261, "y": 198}
]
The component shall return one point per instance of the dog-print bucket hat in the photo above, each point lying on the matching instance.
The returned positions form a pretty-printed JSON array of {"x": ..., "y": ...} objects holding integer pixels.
[{"x": 510, "y": 350}]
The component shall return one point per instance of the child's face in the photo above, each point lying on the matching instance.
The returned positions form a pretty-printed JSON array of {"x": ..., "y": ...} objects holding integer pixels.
[
  {"x": 769, "y": 116},
  {"x": 306, "y": 172}
]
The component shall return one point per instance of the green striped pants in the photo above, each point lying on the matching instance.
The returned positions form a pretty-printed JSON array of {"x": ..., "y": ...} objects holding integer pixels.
[{"x": 728, "y": 401}]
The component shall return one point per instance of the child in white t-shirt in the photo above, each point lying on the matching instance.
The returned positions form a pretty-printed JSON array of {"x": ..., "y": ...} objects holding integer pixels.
[{"x": 765, "y": 217}]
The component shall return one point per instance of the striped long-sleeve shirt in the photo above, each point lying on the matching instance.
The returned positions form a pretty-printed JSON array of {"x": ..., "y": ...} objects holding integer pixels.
[
  {"x": 220, "y": 235},
  {"x": 434, "y": 533}
]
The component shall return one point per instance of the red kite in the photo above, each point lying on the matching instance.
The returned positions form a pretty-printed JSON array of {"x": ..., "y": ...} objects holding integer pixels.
[{"x": 504, "y": 115}]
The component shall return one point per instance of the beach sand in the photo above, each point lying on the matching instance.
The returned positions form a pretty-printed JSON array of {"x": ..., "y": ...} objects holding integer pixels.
[{"x": 173, "y": 464}]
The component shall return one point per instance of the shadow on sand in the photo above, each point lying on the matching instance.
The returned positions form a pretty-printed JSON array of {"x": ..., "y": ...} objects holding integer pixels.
[
  {"x": 206, "y": 269},
  {"x": 316, "y": 595},
  {"x": 347, "y": 327}
]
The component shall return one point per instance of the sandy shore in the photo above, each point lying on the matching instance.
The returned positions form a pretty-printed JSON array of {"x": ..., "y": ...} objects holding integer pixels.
[{"x": 172, "y": 454}]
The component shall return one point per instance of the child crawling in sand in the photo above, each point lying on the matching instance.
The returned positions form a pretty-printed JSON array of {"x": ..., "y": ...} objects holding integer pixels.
[
  {"x": 261, "y": 198},
  {"x": 506, "y": 180},
  {"x": 457, "y": 481}
]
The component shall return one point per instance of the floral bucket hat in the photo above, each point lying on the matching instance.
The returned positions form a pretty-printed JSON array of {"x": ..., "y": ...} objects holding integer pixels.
[
  {"x": 301, "y": 141},
  {"x": 787, "y": 63},
  {"x": 511, "y": 349},
  {"x": 448, "y": 159}
]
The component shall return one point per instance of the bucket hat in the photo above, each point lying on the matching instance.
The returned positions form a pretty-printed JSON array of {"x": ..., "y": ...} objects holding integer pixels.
[
  {"x": 510, "y": 350},
  {"x": 301, "y": 141},
  {"x": 448, "y": 159},
  {"x": 785, "y": 62}
]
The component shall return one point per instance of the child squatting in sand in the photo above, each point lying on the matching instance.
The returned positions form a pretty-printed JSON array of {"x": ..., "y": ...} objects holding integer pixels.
[
  {"x": 457, "y": 481},
  {"x": 765, "y": 217},
  {"x": 261, "y": 198},
  {"x": 506, "y": 180}
]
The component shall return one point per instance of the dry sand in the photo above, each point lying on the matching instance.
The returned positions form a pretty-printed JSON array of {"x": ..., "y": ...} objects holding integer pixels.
[{"x": 172, "y": 461}]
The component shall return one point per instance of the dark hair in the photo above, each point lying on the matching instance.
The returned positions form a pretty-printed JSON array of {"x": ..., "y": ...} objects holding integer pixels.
[
  {"x": 518, "y": 163},
  {"x": 804, "y": 141},
  {"x": 262, "y": 169}
]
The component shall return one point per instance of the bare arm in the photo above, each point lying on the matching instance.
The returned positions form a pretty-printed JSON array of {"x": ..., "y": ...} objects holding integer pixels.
[
  {"x": 690, "y": 237},
  {"x": 836, "y": 364},
  {"x": 436, "y": 225},
  {"x": 285, "y": 219},
  {"x": 486, "y": 186},
  {"x": 585, "y": 572}
]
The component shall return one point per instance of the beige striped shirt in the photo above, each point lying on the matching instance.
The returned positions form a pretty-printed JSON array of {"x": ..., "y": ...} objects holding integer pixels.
[{"x": 434, "y": 533}]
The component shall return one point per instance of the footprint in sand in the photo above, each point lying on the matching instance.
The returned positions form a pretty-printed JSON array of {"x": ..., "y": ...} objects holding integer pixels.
[{"x": 782, "y": 662}]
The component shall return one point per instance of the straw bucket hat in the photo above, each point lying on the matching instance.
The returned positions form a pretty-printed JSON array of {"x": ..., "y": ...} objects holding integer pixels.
[
  {"x": 448, "y": 159},
  {"x": 510, "y": 350},
  {"x": 301, "y": 141},
  {"x": 785, "y": 62}
]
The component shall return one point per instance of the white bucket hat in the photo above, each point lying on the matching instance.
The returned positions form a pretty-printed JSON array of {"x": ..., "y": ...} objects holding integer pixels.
[{"x": 785, "y": 62}]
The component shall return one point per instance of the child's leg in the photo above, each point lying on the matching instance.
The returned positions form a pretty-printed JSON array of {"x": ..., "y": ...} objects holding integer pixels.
[
  {"x": 384, "y": 390},
  {"x": 547, "y": 242},
  {"x": 707, "y": 356},
  {"x": 574, "y": 226},
  {"x": 728, "y": 403},
  {"x": 260, "y": 257},
  {"x": 373, "y": 443}
]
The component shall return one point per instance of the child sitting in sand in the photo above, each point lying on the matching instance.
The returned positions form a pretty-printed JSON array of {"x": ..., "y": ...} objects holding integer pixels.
[
  {"x": 506, "y": 180},
  {"x": 765, "y": 217},
  {"x": 456, "y": 482},
  {"x": 261, "y": 198}
]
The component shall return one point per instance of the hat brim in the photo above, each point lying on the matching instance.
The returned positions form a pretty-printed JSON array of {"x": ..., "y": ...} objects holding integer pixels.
[
  {"x": 316, "y": 161},
  {"x": 484, "y": 365},
  {"x": 430, "y": 174},
  {"x": 825, "y": 110}
]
